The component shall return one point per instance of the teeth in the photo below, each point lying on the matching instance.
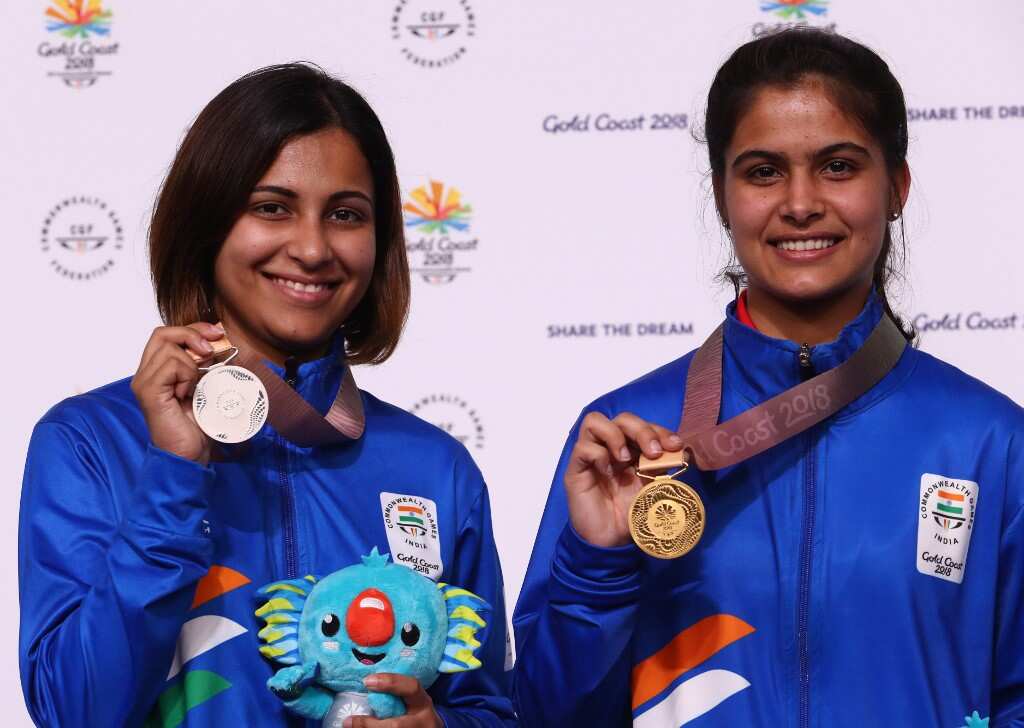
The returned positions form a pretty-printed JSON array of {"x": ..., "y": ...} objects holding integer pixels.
[
  {"x": 304, "y": 287},
  {"x": 816, "y": 244}
]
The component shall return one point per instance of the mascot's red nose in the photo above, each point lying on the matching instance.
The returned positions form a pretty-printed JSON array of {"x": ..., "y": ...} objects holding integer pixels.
[{"x": 370, "y": 620}]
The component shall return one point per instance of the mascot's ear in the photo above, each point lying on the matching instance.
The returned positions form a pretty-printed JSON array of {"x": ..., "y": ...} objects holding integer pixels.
[
  {"x": 281, "y": 612},
  {"x": 464, "y": 621}
]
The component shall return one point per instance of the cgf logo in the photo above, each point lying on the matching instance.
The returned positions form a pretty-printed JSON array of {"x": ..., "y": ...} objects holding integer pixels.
[{"x": 433, "y": 33}]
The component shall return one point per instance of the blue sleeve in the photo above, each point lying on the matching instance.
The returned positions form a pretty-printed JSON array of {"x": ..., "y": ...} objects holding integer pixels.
[
  {"x": 478, "y": 697},
  {"x": 574, "y": 622},
  {"x": 1008, "y": 671},
  {"x": 104, "y": 586}
]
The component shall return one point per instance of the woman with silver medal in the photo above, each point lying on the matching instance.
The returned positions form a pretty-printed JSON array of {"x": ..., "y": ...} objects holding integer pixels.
[
  {"x": 242, "y": 452},
  {"x": 795, "y": 524}
]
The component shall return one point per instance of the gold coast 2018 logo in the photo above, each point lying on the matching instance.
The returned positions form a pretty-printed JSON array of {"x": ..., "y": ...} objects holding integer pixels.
[
  {"x": 79, "y": 44},
  {"x": 793, "y": 13},
  {"x": 82, "y": 237},
  {"x": 438, "y": 238},
  {"x": 433, "y": 33}
]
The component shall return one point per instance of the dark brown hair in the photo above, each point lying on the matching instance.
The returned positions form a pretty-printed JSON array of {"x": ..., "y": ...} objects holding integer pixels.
[
  {"x": 859, "y": 82},
  {"x": 231, "y": 145}
]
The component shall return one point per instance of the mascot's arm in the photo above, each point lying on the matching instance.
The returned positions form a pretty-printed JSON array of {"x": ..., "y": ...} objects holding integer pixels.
[
  {"x": 477, "y": 697},
  {"x": 313, "y": 703},
  {"x": 289, "y": 682},
  {"x": 384, "y": 705}
]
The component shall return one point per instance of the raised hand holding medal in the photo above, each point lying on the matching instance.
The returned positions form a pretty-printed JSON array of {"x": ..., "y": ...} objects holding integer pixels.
[
  {"x": 230, "y": 403},
  {"x": 600, "y": 480},
  {"x": 163, "y": 385}
]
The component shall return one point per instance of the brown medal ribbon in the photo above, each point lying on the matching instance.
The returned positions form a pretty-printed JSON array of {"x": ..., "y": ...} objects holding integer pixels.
[
  {"x": 293, "y": 416},
  {"x": 667, "y": 516}
]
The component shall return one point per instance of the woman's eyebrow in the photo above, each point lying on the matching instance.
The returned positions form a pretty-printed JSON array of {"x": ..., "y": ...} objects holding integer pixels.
[
  {"x": 292, "y": 194},
  {"x": 842, "y": 147},
  {"x": 760, "y": 154},
  {"x": 776, "y": 157},
  {"x": 283, "y": 191},
  {"x": 342, "y": 194}
]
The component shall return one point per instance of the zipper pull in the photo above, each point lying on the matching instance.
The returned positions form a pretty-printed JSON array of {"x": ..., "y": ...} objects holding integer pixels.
[
  {"x": 291, "y": 371},
  {"x": 805, "y": 356}
]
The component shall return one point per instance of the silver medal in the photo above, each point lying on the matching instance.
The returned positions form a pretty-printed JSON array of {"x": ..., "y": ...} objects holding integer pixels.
[{"x": 230, "y": 403}]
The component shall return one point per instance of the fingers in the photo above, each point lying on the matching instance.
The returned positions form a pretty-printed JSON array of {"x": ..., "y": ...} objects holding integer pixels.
[
  {"x": 195, "y": 337},
  {"x": 626, "y": 436},
  {"x": 587, "y": 455},
  {"x": 365, "y": 721},
  {"x": 420, "y": 708},
  {"x": 653, "y": 440},
  {"x": 403, "y": 686}
]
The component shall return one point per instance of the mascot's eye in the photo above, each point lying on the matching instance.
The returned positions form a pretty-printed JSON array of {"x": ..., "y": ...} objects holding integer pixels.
[
  {"x": 330, "y": 625},
  {"x": 410, "y": 634}
]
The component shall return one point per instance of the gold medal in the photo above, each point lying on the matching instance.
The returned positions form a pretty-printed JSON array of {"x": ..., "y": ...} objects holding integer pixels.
[{"x": 666, "y": 519}]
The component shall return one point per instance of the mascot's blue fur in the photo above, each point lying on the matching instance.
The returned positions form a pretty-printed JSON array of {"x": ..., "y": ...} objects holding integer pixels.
[{"x": 403, "y": 623}]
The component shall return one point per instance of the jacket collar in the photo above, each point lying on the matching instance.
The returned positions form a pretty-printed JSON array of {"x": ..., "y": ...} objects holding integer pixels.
[
  {"x": 317, "y": 381},
  {"x": 759, "y": 367}
]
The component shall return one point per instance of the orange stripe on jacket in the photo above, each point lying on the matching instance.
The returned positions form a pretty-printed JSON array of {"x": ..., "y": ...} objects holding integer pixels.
[
  {"x": 687, "y": 650},
  {"x": 218, "y": 580}
]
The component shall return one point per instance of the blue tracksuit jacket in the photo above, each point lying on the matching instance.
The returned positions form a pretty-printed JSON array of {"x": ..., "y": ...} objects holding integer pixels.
[
  {"x": 869, "y": 572},
  {"x": 138, "y": 568}
]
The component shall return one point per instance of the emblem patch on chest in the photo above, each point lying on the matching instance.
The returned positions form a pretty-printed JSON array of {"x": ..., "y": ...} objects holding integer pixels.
[
  {"x": 411, "y": 525},
  {"x": 944, "y": 526}
]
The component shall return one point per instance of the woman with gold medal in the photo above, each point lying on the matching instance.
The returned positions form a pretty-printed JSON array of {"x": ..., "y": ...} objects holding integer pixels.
[{"x": 841, "y": 542}]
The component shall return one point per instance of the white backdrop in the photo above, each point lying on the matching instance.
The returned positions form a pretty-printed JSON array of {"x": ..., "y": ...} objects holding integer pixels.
[{"x": 566, "y": 127}]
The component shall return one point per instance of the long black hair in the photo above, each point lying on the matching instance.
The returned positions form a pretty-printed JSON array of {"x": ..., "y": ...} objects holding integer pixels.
[{"x": 860, "y": 84}]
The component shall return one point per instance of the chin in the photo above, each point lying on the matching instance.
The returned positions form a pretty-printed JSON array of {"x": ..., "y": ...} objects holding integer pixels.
[
  {"x": 814, "y": 291},
  {"x": 299, "y": 341}
]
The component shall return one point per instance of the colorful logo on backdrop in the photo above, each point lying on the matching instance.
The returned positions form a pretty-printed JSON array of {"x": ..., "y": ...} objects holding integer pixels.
[
  {"x": 438, "y": 240},
  {"x": 433, "y": 33},
  {"x": 82, "y": 238},
  {"x": 78, "y": 48},
  {"x": 78, "y": 19},
  {"x": 453, "y": 415},
  {"x": 796, "y": 9},
  {"x": 793, "y": 14}
]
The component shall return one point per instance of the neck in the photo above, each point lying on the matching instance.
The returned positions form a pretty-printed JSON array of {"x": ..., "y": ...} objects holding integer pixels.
[
  {"x": 805, "y": 322},
  {"x": 269, "y": 350}
]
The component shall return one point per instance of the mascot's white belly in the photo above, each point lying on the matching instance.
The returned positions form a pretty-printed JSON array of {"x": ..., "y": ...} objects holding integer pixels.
[{"x": 344, "y": 705}]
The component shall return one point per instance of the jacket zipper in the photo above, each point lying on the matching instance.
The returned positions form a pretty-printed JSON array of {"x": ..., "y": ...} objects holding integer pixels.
[
  {"x": 291, "y": 551},
  {"x": 806, "y": 553}
]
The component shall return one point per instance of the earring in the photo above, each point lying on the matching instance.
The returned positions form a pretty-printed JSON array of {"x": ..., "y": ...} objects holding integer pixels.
[
  {"x": 895, "y": 215},
  {"x": 725, "y": 224}
]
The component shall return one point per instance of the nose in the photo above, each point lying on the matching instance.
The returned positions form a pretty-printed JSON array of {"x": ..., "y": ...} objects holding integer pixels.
[
  {"x": 802, "y": 203},
  {"x": 370, "y": 620},
  {"x": 309, "y": 244}
]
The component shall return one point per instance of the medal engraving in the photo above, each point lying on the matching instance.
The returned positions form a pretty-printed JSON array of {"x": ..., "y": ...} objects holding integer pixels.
[
  {"x": 230, "y": 404},
  {"x": 666, "y": 519}
]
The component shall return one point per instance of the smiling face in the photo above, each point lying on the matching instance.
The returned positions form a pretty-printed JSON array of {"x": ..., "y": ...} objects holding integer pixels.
[
  {"x": 360, "y": 621},
  {"x": 806, "y": 193},
  {"x": 301, "y": 255}
]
